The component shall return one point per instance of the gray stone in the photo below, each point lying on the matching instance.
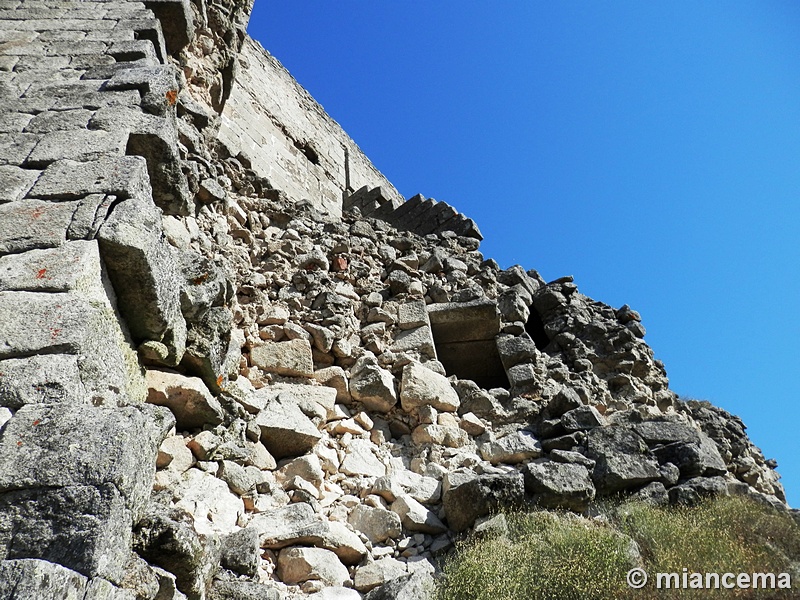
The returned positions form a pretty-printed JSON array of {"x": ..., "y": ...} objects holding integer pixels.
[
  {"x": 559, "y": 485},
  {"x": 565, "y": 400},
  {"x": 411, "y": 315},
  {"x": 416, "y": 586},
  {"x": 41, "y": 379},
  {"x": 373, "y": 574},
  {"x": 419, "y": 339},
  {"x": 467, "y": 496},
  {"x": 653, "y": 493},
  {"x": 582, "y": 418},
  {"x": 694, "y": 490},
  {"x": 291, "y": 525},
  {"x": 372, "y": 385},
  {"x": 168, "y": 541},
  {"x": 297, "y": 565},
  {"x": 33, "y": 579},
  {"x": 15, "y": 182},
  {"x": 30, "y": 224},
  {"x": 514, "y": 350},
  {"x": 422, "y": 387},
  {"x": 187, "y": 397},
  {"x": 415, "y": 517},
  {"x": 86, "y": 528},
  {"x": 359, "y": 459},
  {"x": 125, "y": 177},
  {"x": 623, "y": 459},
  {"x": 693, "y": 458},
  {"x": 70, "y": 445},
  {"x": 78, "y": 145},
  {"x": 285, "y": 430},
  {"x": 144, "y": 275},
  {"x": 243, "y": 590},
  {"x": 512, "y": 448},
  {"x": 292, "y": 358},
  {"x": 241, "y": 551},
  {"x": 378, "y": 524}
]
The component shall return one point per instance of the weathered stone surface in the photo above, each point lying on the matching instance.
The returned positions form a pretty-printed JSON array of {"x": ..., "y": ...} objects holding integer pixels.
[
  {"x": 15, "y": 182},
  {"x": 416, "y": 586},
  {"x": 168, "y": 541},
  {"x": 467, "y": 496},
  {"x": 419, "y": 339},
  {"x": 415, "y": 517},
  {"x": 582, "y": 418},
  {"x": 285, "y": 430},
  {"x": 85, "y": 528},
  {"x": 378, "y": 524},
  {"x": 125, "y": 177},
  {"x": 77, "y": 145},
  {"x": 512, "y": 448},
  {"x": 623, "y": 459},
  {"x": 27, "y": 579},
  {"x": 291, "y": 525},
  {"x": 373, "y": 574},
  {"x": 144, "y": 275},
  {"x": 297, "y": 564},
  {"x": 360, "y": 460},
  {"x": 312, "y": 399},
  {"x": 292, "y": 358},
  {"x": 174, "y": 454},
  {"x": 421, "y": 387},
  {"x": 187, "y": 397},
  {"x": 306, "y": 467},
  {"x": 344, "y": 543},
  {"x": 693, "y": 458},
  {"x": 240, "y": 551},
  {"x": 30, "y": 224},
  {"x": 372, "y": 385},
  {"x": 559, "y": 485},
  {"x": 41, "y": 379},
  {"x": 208, "y": 500},
  {"x": 115, "y": 446}
]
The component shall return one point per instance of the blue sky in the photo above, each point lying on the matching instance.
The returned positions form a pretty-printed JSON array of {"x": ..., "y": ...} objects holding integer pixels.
[{"x": 652, "y": 150}]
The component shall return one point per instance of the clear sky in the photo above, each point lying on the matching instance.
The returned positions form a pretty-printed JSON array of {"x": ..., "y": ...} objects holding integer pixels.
[{"x": 650, "y": 149}]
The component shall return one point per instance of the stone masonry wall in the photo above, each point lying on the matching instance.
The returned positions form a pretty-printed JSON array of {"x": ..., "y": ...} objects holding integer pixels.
[{"x": 288, "y": 138}]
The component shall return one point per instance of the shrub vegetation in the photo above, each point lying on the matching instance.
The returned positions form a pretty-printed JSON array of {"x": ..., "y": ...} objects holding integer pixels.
[{"x": 561, "y": 556}]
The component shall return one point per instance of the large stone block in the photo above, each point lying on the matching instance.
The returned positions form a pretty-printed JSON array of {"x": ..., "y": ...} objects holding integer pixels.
[
  {"x": 467, "y": 496},
  {"x": 32, "y": 579},
  {"x": 623, "y": 459},
  {"x": 59, "y": 323},
  {"x": 422, "y": 387},
  {"x": 54, "y": 446},
  {"x": 125, "y": 177},
  {"x": 144, "y": 275},
  {"x": 187, "y": 397},
  {"x": 82, "y": 527},
  {"x": 292, "y": 358},
  {"x": 41, "y": 379},
  {"x": 559, "y": 485},
  {"x": 285, "y": 429}
]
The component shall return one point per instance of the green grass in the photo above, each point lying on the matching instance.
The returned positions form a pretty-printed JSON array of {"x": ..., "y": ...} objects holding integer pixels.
[{"x": 559, "y": 556}]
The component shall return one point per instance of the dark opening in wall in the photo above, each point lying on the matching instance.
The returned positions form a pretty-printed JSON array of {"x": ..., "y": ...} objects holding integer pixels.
[
  {"x": 535, "y": 329},
  {"x": 308, "y": 150},
  {"x": 464, "y": 335}
]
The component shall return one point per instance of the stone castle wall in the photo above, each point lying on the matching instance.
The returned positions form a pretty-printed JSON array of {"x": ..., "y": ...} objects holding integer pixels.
[
  {"x": 288, "y": 137},
  {"x": 210, "y": 388}
]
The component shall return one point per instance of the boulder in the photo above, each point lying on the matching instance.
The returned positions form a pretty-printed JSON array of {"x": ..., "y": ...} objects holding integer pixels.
[
  {"x": 292, "y": 358},
  {"x": 207, "y": 498},
  {"x": 512, "y": 449},
  {"x": 415, "y": 517},
  {"x": 467, "y": 496},
  {"x": 291, "y": 525},
  {"x": 422, "y": 387},
  {"x": 559, "y": 485},
  {"x": 372, "y": 385},
  {"x": 360, "y": 459},
  {"x": 187, "y": 397},
  {"x": 582, "y": 418},
  {"x": 241, "y": 552},
  {"x": 623, "y": 459},
  {"x": 297, "y": 565},
  {"x": 285, "y": 429},
  {"x": 415, "y": 586},
  {"x": 376, "y": 573},
  {"x": 378, "y": 524},
  {"x": 696, "y": 458}
]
